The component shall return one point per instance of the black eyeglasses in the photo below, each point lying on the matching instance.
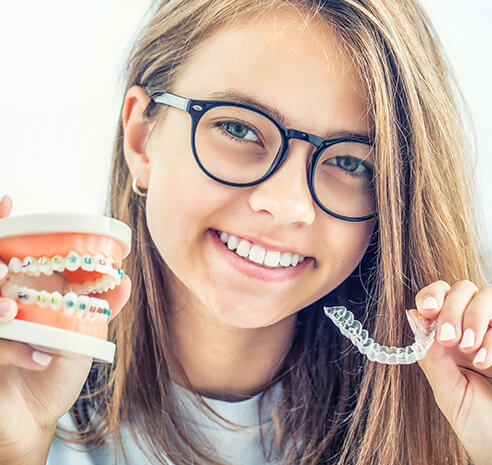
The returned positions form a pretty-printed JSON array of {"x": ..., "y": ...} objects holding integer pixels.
[{"x": 240, "y": 145}]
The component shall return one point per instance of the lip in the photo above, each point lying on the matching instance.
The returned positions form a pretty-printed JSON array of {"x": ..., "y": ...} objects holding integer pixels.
[
  {"x": 253, "y": 270},
  {"x": 266, "y": 245}
]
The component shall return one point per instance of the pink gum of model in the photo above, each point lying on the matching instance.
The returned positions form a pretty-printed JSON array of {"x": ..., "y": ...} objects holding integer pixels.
[{"x": 40, "y": 245}]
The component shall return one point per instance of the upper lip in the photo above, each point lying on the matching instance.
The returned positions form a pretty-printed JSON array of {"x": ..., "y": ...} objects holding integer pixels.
[{"x": 266, "y": 245}]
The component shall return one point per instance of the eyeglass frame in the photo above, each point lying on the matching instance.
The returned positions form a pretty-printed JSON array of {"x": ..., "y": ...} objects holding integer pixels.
[{"x": 197, "y": 108}]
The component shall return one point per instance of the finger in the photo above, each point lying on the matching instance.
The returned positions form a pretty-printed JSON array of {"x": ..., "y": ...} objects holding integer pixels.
[
  {"x": 4, "y": 271},
  {"x": 8, "y": 310},
  {"x": 476, "y": 319},
  {"x": 5, "y": 206},
  {"x": 431, "y": 298},
  {"x": 451, "y": 316},
  {"x": 22, "y": 356},
  {"x": 483, "y": 358},
  {"x": 444, "y": 376}
]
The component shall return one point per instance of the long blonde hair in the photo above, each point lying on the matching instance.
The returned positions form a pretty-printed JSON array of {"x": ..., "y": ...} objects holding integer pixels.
[{"x": 342, "y": 410}]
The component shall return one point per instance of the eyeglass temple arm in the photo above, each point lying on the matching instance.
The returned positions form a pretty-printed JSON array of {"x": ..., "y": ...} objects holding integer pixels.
[{"x": 173, "y": 100}]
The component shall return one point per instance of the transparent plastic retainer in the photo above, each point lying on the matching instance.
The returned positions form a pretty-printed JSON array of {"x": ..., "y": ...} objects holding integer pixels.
[{"x": 351, "y": 328}]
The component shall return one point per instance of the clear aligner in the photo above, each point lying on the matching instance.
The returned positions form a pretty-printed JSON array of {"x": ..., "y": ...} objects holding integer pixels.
[{"x": 352, "y": 329}]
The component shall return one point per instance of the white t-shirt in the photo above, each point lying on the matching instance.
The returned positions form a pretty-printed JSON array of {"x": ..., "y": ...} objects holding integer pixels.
[{"x": 236, "y": 447}]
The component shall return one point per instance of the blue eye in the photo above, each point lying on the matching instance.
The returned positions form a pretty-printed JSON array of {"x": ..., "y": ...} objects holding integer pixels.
[
  {"x": 239, "y": 131},
  {"x": 351, "y": 166}
]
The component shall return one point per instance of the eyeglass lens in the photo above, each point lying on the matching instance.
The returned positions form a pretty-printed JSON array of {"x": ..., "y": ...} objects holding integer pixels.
[{"x": 238, "y": 145}]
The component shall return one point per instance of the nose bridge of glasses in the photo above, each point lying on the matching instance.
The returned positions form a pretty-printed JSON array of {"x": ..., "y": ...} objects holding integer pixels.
[{"x": 301, "y": 135}]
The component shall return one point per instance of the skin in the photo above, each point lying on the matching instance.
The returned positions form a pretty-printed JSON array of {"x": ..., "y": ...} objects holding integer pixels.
[
  {"x": 232, "y": 331},
  {"x": 242, "y": 326}
]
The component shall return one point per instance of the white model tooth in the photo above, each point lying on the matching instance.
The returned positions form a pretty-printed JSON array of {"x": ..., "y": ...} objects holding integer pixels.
[
  {"x": 243, "y": 248},
  {"x": 301, "y": 259},
  {"x": 15, "y": 265},
  {"x": 88, "y": 263},
  {"x": 295, "y": 259},
  {"x": 83, "y": 305},
  {"x": 100, "y": 284},
  {"x": 45, "y": 266},
  {"x": 70, "y": 302},
  {"x": 224, "y": 237},
  {"x": 286, "y": 259},
  {"x": 43, "y": 299},
  {"x": 86, "y": 287},
  {"x": 272, "y": 258},
  {"x": 56, "y": 300},
  {"x": 26, "y": 295},
  {"x": 58, "y": 263},
  {"x": 100, "y": 263},
  {"x": 232, "y": 242},
  {"x": 30, "y": 266},
  {"x": 73, "y": 261}
]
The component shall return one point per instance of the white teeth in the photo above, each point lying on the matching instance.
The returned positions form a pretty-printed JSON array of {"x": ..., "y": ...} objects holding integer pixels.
[
  {"x": 70, "y": 303},
  {"x": 44, "y": 266},
  {"x": 88, "y": 263},
  {"x": 82, "y": 306},
  {"x": 232, "y": 242},
  {"x": 286, "y": 259},
  {"x": 257, "y": 254},
  {"x": 73, "y": 261},
  {"x": 56, "y": 300},
  {"x": 272, "y": 258},
  {"x": 15, "y": 265},
  {"x": 58, "y": 263},
  {"x": 43, "y": 299},
  {"x": 243, "y": 249},
  {"x": 30, "y": 266}
]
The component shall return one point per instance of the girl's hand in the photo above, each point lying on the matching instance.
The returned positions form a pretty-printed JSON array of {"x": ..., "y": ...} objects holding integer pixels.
[
  {"x": 36, "y": 388},
  {"x": 458, "y": 365}
]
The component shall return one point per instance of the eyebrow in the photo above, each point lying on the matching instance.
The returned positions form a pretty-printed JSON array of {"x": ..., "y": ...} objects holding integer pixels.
[{"x": 239, "y": 97}]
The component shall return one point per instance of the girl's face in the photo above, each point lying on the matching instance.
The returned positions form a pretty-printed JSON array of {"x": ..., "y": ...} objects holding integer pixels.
[{"x": 297, "y": 68}]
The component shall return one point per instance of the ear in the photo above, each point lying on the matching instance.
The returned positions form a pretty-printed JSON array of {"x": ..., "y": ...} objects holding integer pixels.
[{"x": 136, "y": 130}]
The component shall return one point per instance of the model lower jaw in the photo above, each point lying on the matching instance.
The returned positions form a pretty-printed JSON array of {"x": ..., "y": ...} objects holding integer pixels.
[{"x": 60, "y": 291}]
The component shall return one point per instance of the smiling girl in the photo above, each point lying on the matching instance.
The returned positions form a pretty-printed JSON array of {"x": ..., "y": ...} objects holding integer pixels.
[{"x": 273, "y": 157}]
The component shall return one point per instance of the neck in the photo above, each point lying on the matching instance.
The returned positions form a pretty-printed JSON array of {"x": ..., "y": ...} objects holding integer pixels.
[{"x": 225, "y": 362}]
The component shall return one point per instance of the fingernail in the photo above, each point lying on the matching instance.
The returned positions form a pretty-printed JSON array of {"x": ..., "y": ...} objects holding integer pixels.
[
  {"x": 4, "y": 269},
  {"x": 429, "y": 303},
  {"x": 7, "y": 308},
  {"x": 468, "y": 339},
  {"x": 447, "y": 332},
  {"x": 411, "y": 322},
  {"x": 41, "y": 358},
  {"x": 480, "y": 357}
]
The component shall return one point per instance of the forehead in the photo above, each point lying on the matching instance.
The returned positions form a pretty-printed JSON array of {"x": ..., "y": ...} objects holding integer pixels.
[{"x": 285, "y": 61}]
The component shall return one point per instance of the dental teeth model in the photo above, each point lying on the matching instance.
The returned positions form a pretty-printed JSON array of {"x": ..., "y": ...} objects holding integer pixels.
[
  {"x": 59, "y": 265},
  {"x": 352, "y": 329}
]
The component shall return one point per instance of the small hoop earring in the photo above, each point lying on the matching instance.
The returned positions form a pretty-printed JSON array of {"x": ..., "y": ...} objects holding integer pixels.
[{"x": 136, "y": 188}]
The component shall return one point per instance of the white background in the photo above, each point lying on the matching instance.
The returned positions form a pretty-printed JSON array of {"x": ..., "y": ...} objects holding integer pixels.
[{"x": 61, "y": 80}]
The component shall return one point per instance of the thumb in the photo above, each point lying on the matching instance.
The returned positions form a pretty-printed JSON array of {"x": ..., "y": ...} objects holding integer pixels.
[{"x": 444, "y": 376}]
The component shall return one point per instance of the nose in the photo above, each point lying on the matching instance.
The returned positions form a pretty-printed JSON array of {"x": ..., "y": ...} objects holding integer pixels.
[{"x": 285, "y": 195}]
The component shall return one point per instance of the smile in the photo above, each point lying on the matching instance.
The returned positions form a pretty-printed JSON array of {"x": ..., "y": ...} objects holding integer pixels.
[{"x": 257, "y": 254}]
